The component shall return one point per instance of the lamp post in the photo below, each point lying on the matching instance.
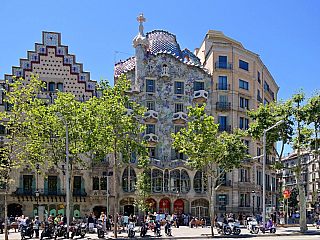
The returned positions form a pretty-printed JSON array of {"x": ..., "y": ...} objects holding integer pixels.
[
  {"x": 264, "y": 174},
  {"x": 253, "y": 192},
  {"x": 67, "y": 170},
  {"x": 37, "y": 191}
]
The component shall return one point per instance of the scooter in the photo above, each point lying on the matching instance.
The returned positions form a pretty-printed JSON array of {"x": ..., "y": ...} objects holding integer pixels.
[
  {"x": 48, "y": 231},
  {"x": 100, "y": 229},
  {"x": 223, "y": 228},
  {"x": 61, "y": 231},
  {"x": 131, "y": 231},
  {"x": 168, "y": 229},
  {"x": 26, "y": 231},
  {"x": 157, "y": 229},
  {"x": 143, "y": 229},
  {"x": 234, "y": 225},
  {"x": 269, "y": 227},
  {"x": 253, "y": 225},
  {"x": 79, "y": 230}
]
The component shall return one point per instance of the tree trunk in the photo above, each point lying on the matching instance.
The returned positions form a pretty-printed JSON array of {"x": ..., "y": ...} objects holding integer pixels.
[
  {"x": 211, "y": 202},
  {"x": 6, "y": 210},
  {"x": 302, "y": 203},
  {"x": 115, "y": 191}
]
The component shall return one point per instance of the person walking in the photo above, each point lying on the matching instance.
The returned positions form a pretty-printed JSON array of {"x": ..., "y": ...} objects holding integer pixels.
[{"x": 36, "y": 226}]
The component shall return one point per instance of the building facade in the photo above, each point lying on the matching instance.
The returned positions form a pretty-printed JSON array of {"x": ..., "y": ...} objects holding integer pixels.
[
  {"x": 60, "y": 71},
  {"x": 166, "y": 80}
]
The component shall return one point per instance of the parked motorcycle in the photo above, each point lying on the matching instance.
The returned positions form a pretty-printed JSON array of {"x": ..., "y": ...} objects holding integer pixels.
[
  {"x": 143, "y": 229},
  {"x": 131, "y": 231},
  {"x": 223, "y": 228},
  {"x": 269, "y": 227},
  {"x": 167, "y": 229},
  {"x": 100, "y": 229},
  {"x": 157, "y": 229},
  {"x": 48, "y": 231},
  {"x": 60, "y": 231},
  {"x": 234, "y": 225},
  {"x": 253, "y": 225},
  {"x": 78, "y": 230},
  {"x": 27, "y": 231}
]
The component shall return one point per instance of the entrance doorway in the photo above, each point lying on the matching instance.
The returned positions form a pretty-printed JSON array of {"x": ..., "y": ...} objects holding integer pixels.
[
  {"x": 98, "y": 209},
  {"x": 14, "y": 209},
  {"x": 128, "y": 209}
]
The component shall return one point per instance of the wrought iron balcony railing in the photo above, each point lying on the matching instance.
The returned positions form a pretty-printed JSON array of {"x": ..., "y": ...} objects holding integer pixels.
[
  {"x": 223, "y": 105},
  {"x": 223, "y": 86},
  {"x": 223, "y": 65}
]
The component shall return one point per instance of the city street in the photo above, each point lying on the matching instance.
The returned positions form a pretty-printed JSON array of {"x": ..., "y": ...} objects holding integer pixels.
[{"x": 202, "y": 233}]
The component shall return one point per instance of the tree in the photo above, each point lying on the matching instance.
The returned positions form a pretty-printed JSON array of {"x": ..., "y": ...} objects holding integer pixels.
[
  {"x": 206, "y": 149},
  {"x": 19, "y": 99},
  {"x": 300, "y": 130},
  {"x": 126, "y": 130},
  {"x": 293, "y": 198}
]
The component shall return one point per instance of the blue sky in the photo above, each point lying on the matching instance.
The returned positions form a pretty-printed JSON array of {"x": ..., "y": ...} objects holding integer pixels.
[{"x": 284, "y": 33}]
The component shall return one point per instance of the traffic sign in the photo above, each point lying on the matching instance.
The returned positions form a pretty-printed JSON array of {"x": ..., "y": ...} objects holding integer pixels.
[{"x": 286, "y": 193}]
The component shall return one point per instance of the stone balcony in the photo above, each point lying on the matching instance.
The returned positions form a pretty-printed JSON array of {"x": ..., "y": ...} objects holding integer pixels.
[
  {"x": 179, "y": 118},
  {"x": 152, "y": 139},
  {"x": 151, "y": 116},
  {"x": 200, "y": 96}
]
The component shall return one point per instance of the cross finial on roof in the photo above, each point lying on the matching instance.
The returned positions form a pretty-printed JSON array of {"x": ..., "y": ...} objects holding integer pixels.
[{"x": 141, "y": 19}]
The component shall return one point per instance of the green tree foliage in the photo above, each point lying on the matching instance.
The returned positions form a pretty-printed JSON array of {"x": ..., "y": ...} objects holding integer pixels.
[
  {"x": 21, "y": 99},
  {"x": 293, "y": 199},
  {"x": 300, "y": 130},
  {"x": 206, "y": 149}
]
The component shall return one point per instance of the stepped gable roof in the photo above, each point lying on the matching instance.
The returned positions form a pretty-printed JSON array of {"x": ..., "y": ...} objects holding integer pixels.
[{"x": 160, "y": 42}]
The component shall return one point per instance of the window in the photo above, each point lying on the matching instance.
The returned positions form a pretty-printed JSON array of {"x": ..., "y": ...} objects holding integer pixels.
[
  {"x": 151, "y": 105},
  {"x": 2, "y": 129},
  {"x": 185, "y": 181},
  {"x": 27, "y": 184},
  {"x": 175, "y": 180},
  {"x": 150, "y": 86},
  {"x": 77, "y": 183},
  {"x": 95, "y": 183},
  {"x": 150, "y": 129},
  {"x": 313, "y": 167},
  {"x": 246, "y": 124},
  {"x": 45, "y": 87},
  {"x": 243, "y": 65},
  {"x": 241, "y": 123},
  {"x": 266, "y": 102},
  {"x": 259, "y": 79},
  {"x": 222, "y": 200},
  {"x": 243, "y": 84},
  {"x": 177, "y": 128},
  {"x": 258, "y": 153},
  {"x": 200, "y": 182},
  {"x": 60, "y": 87},
  {"x": 313, "y": 176},
  {"x": 157, "y": 180},
  {"x": 198, "y": 86},
  {"x": 222, "y": 83},
  {"x": 52, "y": 86},
  {"x": 129, "y": 179},
  {"x": 179, "y": 88},
  {"x": 52, "y": 185},
  {"x": 242, "y": 200},
  {"x": 151, "y": 152},
  {"x": 224, "y": 123},
  {"x": 244, "y": 103},
  {"x": 246, "y": 142},
  {"x": 178, "y": 155},
  {"x": 103, "y": 183},
  {"x": 259, "y": 96},
  {"x": 266, "y": 86},
  {"x": 243, "y": 175},
  {"x": 178, "y": 107},
  {"x": 259, "y": 178},
  {"x": 258, "y": 201}
]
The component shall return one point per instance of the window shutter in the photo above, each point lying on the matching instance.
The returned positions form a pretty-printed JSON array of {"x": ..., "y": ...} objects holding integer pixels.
[
  {"x": 175, "y": 87},
  {"x": 227, "y": 199},
  {"x": 219, "y": 119},
  {"x": 21, "y": 184},
  {"x": 82, "y": 186},
  {"x": 153, "y": 86},
  {"x": 45, "y": 186},
  {"x": 58, "y": 186},
  {"x": 156, "y": 151},
  {"x": 227, "y": 178},
  {"x": 173, "y": 154},
  {"x": 217, "y": 199},
  {"x": 33, "y": 184},
  {"x": 182, "y": 88},
  {"x": 227, "y": 122}
]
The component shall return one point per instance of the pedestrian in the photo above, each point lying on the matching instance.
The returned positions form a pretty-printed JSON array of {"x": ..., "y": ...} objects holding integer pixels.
[
  {"x": 215, "y": 220},
  {"x": 274, "y": 218},
  {"x": 91, "y": 223},
  {"x": 281, "y": 219},
  {"x": 36, "y": 226}
]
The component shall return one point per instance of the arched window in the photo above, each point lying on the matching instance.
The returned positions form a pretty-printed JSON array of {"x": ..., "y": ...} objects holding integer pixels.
[
  {"x": 157, "y": 180},
  {"x": 60, "y": 87},
  {"x": 165, "y": 69},
  {"x": 197, "y": 182},
  {"x": 200, "y": 208},
  {"x": 129, "y": 179},
  {"x": 175, "y": 180},
  {"x": 185, "y": 181},
  {"x": 166, "y": 180},
  {"x": 164, "y": 206},
  {"x": 52, "y": 86}
]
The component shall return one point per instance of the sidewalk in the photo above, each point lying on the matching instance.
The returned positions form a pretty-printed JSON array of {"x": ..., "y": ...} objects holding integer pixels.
[{"x": 190, "y": 233}]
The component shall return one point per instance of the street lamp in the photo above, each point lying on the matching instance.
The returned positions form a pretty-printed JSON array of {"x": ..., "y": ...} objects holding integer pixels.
[
  {"x": 67, "y": 169},
  {"x": 253, "y": 192},
  {"x": 37, "y": 191},
  {"x": 264, "y": 174}
]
